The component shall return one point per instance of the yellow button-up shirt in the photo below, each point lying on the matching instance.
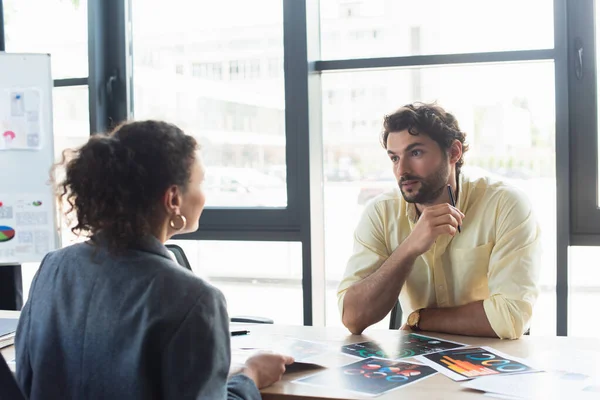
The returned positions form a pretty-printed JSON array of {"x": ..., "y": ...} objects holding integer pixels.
[{"x": 496, "y": 258}]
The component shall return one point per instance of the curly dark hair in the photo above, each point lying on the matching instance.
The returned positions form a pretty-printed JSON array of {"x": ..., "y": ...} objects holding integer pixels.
[
  {"x": 115, "y": 181},
  {"x": 429, "y": 119}
]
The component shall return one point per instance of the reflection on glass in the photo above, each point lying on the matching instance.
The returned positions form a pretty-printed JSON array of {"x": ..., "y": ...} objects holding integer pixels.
[
  {"x": 71, "y": 117},
  {"x": 58, "y": 27},
  {"x": 268, "y": 273},
  {"x": 384, "y": 28},
  {"x": 218, "y": 74},
  {"x": 227, "y": 186},
  {"x": 507, "y": 111}
]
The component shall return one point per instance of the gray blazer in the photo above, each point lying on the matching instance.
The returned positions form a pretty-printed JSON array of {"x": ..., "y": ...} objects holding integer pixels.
[{"x": 133, "y": 326}]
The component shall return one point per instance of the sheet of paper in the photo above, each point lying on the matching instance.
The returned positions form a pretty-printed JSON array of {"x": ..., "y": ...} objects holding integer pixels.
[
  {"x": 20, "y": 126},
  {"x": 371, "y": 376},
  {"x": 409, "y": 345},
  {"x": 586, "y": 362},
  {"x": 502, "y": 397},
  {"x": 303, "y": 351},
  {"x": 26, "y": 227},
  {"x": 467, "y": 363},
  {"x": 542, "y": 385}
]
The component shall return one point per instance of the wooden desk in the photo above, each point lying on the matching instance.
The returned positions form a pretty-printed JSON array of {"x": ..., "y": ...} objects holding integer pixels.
[{"x": 436, "y": 387}]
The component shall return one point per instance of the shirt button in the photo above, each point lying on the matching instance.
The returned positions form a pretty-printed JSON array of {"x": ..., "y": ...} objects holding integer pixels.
[{"x": 440, "y": 287}]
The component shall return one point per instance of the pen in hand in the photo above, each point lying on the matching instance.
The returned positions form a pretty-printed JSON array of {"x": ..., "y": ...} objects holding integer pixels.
[{"x": 452, "y": 203}]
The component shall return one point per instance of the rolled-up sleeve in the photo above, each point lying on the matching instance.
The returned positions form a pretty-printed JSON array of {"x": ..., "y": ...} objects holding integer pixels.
[
  {"x": 369, "y": 251},
  {"x": 514, "y": 269}
]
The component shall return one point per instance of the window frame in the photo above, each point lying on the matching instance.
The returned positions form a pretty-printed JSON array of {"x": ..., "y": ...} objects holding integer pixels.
[
  {"x": 559, "y": 55},
  {"x": 585, "y": 223}
]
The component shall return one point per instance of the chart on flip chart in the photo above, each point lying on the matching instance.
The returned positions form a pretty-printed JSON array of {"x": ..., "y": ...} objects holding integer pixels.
[{"x": 28, "y": 228}]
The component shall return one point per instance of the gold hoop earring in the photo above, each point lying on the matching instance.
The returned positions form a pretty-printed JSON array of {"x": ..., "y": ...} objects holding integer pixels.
[{"x": 177, "y": 222}]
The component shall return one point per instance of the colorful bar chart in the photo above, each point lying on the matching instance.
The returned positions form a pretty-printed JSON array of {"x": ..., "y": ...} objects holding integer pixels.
[{"x": 467, "y": 368}]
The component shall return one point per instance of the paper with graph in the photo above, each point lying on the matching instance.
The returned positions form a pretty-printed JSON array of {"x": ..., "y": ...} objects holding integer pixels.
[
  {"x": 20, "y": 124},
  {"x": 473, "y": 362}
]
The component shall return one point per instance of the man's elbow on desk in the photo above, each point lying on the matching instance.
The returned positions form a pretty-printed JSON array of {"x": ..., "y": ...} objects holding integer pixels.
[
  {"x": 350, "y": 319},
  {"x": 508, "y": 318},
  {"x": 353, "y": 323}
]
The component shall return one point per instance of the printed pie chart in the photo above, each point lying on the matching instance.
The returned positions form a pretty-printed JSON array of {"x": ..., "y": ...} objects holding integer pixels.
[{"x": 6, "y": 233}]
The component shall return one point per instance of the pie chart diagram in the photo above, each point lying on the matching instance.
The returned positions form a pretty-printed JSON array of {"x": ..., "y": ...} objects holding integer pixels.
[{"x": 6, "y": 233}]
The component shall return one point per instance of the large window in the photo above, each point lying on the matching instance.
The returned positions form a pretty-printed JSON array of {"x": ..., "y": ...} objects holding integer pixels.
[
  {"x": 216, "y": 69},
  {"x": 215, "y": 73},
  {"x": 262, "y": 279},
  {"x": 507, "y": 111}
]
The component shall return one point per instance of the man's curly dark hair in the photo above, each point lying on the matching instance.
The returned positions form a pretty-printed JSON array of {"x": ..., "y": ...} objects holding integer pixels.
[
  {"x": 428, "y": 119},
  {"x": 115, "y": 181}
]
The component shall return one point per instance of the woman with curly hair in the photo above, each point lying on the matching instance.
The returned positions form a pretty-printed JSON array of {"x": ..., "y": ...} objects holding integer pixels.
[{"x": 116, "y": 317}]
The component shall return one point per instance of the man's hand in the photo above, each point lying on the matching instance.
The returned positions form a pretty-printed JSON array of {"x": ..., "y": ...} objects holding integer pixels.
[
  {"x": 405, "y": 327},
  {"x": 434, "y": 221}
]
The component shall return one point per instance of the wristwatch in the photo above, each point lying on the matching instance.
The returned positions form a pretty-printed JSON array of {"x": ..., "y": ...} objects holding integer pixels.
[{"x": 413, "y": 320}]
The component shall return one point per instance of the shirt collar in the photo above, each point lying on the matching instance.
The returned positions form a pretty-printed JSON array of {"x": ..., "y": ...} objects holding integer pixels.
[
  {"x": 151, "y": 244},
  {"x": 411, "y": 212},
  {"x": 148, "y": 243}
]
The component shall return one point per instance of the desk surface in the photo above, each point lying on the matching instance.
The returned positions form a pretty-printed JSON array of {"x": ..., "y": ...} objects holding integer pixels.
[{"x": 553, "y": 349}]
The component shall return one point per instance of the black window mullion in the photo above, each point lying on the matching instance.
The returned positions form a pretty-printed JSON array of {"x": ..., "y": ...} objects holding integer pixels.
[
  {"x": 107, "y": 44},
  {"x": 297, "y": 81},
  {"x": 70, "y": 82},
  {"x": 434, "y": 60},
  {"x": 563, "y": 216}
]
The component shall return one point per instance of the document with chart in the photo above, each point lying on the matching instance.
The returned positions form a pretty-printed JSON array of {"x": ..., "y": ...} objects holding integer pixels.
[
  {"x": 371, "y": 376},
  {"x": 409, "y": 345},
  {"x": 26, "y": 227},
  {"x": 473, "y": 362}
]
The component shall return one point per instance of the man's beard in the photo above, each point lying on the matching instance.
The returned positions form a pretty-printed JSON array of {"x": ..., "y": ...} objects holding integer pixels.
[{"x": 431, "y": 187}]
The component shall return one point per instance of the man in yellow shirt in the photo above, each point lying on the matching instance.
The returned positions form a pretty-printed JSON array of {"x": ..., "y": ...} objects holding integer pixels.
[{"x": 472, "y": 269}]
